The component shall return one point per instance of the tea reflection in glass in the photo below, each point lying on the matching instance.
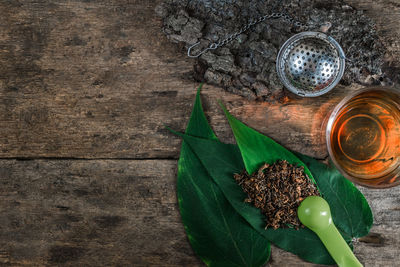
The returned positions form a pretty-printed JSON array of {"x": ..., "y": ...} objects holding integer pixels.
[{"x": 363, "y": 137}]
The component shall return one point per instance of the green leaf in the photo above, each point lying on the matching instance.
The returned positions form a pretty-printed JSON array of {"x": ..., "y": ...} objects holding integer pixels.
[
  {"x": 350, "y": 210},
  {"x": 257, "y": 149},
  {"x": 222, "y": 161},
  {"x": 216, "y": 232},
  {"x": 198, "y": 124}
]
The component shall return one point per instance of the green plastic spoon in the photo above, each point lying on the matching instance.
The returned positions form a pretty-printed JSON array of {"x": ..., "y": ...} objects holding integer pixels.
[{"x": 314, "y": 212}]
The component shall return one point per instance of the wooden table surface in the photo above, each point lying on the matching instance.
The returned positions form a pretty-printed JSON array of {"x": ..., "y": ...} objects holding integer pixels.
[{"x": 87, "y": 170}]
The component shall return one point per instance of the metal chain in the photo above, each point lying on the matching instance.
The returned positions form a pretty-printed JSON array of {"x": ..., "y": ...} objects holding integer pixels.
[{"x": 251, "y": 23}]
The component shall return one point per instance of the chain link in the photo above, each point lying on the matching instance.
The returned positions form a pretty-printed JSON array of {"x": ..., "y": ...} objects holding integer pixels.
[{"x": 244, "y": 28}]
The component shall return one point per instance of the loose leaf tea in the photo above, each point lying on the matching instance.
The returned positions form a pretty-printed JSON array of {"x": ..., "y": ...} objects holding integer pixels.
[{"x": 277, "y": 190}]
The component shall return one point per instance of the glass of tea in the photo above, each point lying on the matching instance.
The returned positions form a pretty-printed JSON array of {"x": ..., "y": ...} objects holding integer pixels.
[{"x": 363, "y": 137}]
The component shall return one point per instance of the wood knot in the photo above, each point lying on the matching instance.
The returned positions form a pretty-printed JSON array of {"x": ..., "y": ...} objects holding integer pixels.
[{"x": 374, "y": 239}]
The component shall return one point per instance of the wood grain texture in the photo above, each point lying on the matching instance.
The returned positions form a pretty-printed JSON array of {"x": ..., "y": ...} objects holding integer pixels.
[
  {"x": 97, "y": 80},
  {"x": 124, "y": 213},
  {"x": 96, "y": 213},
  {"x": 93, "y": 79}
]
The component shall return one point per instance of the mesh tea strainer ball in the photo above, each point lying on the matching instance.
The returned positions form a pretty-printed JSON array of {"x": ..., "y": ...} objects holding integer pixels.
[{"x": 310, "y": 63}]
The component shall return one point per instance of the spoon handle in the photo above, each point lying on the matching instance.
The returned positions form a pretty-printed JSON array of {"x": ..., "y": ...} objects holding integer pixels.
[{"x": 337, "y": 247}]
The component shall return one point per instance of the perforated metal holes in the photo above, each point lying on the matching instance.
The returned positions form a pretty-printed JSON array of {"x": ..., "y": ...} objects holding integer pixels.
[{"x": 310, "y": 63}]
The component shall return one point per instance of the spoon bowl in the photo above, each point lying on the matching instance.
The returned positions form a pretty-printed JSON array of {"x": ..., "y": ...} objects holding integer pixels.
[{"x": 314, "y": 212}]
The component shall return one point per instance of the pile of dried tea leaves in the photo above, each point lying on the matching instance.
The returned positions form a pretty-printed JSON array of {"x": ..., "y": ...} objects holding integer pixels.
[{"x": 277, "y": 190}]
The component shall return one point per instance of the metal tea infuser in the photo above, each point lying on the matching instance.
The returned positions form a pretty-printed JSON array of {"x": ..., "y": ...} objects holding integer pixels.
[{"x": 308, "y": 64}]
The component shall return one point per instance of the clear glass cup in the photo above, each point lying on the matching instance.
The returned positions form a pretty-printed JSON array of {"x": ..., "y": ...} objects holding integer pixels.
[{"x": 363, "y": 137}]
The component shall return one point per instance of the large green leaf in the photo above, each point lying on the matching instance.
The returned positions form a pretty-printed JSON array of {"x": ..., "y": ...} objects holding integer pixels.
[
  {"x": 217, "y": 233},
  {"x": 350, "y": 210},
  {"x": 222, "y": 161}
]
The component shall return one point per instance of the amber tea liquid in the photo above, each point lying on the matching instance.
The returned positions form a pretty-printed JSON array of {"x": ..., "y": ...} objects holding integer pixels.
[{"x": 365, "y": 137}]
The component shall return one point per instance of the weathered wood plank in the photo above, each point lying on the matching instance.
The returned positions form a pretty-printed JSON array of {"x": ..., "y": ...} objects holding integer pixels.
[
  {"x": 124, "y": 212},
  {"x": 93, "y": 213},
  {"x": 98, "y": 79}
]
